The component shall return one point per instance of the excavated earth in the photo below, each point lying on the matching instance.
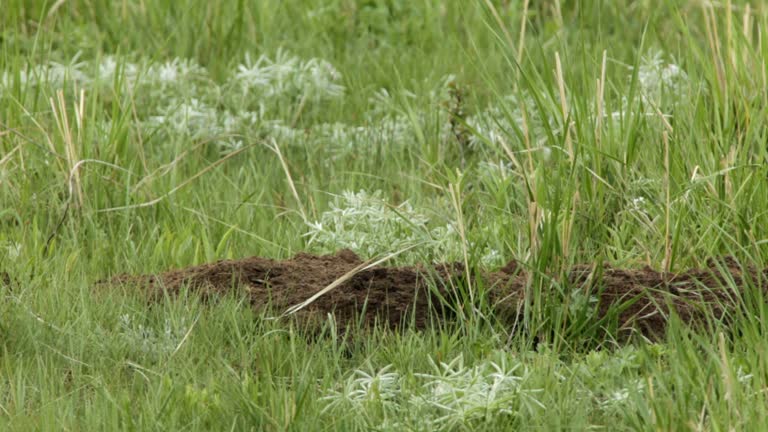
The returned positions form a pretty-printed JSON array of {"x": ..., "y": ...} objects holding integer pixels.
[{"x": 393, "y": 296}]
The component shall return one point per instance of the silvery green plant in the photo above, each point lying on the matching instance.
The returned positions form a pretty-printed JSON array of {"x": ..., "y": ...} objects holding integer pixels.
[
  {"x": 393, "y": 131},
  {"x": 286, "y": 75},
  {"x": 12, "y": 250},
  {"x": 177, "y": 74},
  {"x": 497, "y": 125},
  {"x": 394, "y": 120},
  {"x": 661, "y": 82},
  {"x": 494, "y": 171},
  {"x": 155, "y": 343},
  {"x": 613, "y": 377},
  {"x": 385, "y": 123},
  {"x": 193, "y": 118},
  {"x": 371, "y": 394},
  {"x": 183, "y": 100},
  {"x": 49, "y": 74},
  {"x": 452, "y": 395},
  {"x": 660, "y": 85},
  {"x": 618, "y": 399},
  {"x": 460, "y": 396},
  {"x": 581, "y": 303},
  {"x": 364, "y": 223}
]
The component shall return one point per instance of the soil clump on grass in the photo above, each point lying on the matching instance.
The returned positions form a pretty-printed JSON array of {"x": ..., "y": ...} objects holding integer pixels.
[{"x": 629, "y": 300}]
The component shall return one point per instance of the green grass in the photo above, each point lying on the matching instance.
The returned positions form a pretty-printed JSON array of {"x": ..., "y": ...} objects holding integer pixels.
[{"x": 440, "y": 108}]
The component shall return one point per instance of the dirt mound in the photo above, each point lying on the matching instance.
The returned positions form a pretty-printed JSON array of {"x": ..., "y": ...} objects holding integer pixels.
[
  {"x": 643, "y": 299},
  {"x": 412, "y": 295},
  {"x": 389, "y": 294}
]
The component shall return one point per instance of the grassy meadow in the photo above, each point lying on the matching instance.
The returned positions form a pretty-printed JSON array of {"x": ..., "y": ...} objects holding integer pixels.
[{"x": 139, "y": 136}]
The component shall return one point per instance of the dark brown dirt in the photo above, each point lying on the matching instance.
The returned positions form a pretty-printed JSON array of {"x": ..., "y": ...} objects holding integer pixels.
[
  {"x": 397, "y": 295},
  {"x": 388, "y": 294}
]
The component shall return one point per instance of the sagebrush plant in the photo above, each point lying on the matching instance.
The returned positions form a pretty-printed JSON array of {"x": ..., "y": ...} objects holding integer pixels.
[
  {"x": 138, "y": 137},
  {"x": 288, "y": 76},
  {"x": 367, "y": 225},
  {"x": 449, "y": 395}
]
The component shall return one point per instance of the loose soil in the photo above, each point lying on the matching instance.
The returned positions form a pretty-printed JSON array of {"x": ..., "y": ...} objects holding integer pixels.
[{"x": 638, "y": 300}]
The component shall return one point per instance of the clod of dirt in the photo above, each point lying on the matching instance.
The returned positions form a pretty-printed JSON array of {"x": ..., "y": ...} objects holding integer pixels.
[{"x": 395, "y": 296}]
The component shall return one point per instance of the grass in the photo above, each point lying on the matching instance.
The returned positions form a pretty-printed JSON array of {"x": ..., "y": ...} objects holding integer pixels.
[{"x": 141, "y": 136}]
